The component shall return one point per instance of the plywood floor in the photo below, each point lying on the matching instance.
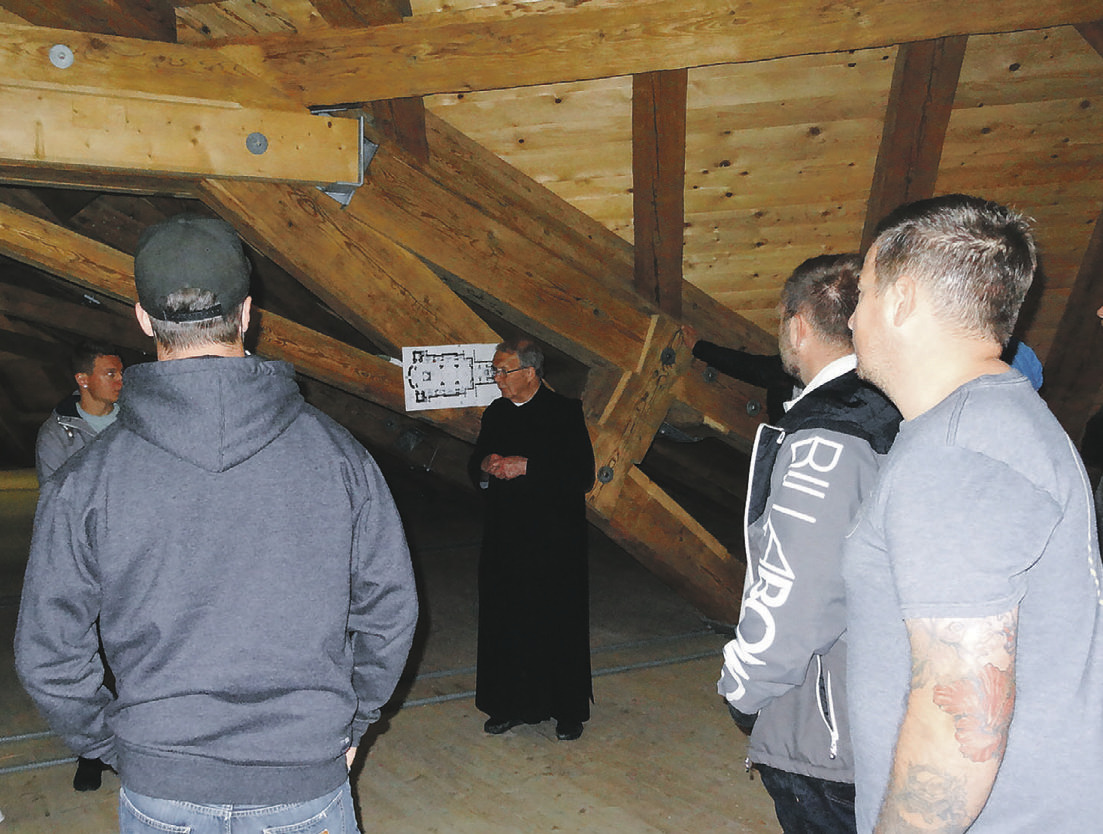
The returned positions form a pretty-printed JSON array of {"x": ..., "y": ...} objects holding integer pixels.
[{"x": 659, "y": 754}]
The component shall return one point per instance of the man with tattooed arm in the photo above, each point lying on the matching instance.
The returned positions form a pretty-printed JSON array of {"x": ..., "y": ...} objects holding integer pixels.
[{"x": 975, "y": 617}]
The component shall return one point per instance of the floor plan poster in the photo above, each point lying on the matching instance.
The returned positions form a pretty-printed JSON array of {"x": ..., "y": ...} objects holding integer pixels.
[{"x": 448, "y": 376}]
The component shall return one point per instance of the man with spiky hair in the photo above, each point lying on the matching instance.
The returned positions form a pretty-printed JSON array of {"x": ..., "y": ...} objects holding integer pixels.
[
  {"x": 784, "y": 674},
  {"x": 245, "y": 560},
  {"x": 975, "y": 612}
]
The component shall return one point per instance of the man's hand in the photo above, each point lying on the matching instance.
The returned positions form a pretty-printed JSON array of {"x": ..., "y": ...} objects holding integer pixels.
[
  {"x": 504, "y": 468},
  {"x": 350, "y": 754}
]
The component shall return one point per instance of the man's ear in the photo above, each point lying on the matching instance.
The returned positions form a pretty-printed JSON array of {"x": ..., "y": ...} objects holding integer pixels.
[
  {"x": 903, "y": 299},
  {"x": 246, "y": 314},
  {"x": 82, "y": 379},
  {"x": 143, "y": 320},
  {"x": 799, "y": 329}
]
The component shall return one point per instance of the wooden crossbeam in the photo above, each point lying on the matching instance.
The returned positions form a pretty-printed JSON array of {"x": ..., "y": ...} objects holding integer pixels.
[
  {"x": 78, "y": 130},
  {"x": 442, "y": 53},
  {"x": 69, "y": 101}
]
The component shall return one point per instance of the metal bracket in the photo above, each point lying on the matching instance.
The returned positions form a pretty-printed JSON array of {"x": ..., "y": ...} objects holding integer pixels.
[{"x": 342, "y": 191}]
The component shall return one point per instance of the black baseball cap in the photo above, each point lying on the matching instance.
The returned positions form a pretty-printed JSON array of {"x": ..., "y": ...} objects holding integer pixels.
[{"x": 189, "y": 251}]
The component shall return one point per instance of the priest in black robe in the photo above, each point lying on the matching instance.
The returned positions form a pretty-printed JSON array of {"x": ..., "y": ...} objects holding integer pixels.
[{"x": 535, "y": 462}]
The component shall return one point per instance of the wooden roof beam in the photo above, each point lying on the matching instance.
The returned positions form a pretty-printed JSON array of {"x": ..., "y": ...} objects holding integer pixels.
[
  {"x": 382, "y": 289},
  {"x": 658, "y": 185},
  {"x": 924, "y": 83},
  {"x": 401, "y": 119},
  {"x": 1093, "y": 34},
  {"x": 117, "y": 104},
  {"x": 88, "y": 263},
  {"x": 111, "y": 326},
  {"x": 1073, "y": 370},
  {"x": 451, "y": 53}
]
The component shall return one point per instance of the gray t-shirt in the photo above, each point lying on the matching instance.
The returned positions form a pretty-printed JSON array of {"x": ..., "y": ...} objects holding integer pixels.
[{"x": 983, "y": 505}]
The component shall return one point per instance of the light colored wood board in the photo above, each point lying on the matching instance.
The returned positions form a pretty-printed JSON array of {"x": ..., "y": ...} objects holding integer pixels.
[
  {"x": 977, "y": 177},
  {"x": 435, "y": 53},
  {"x": 1030, "y": 66},
  {"x": 603, "y": 103},
  {"x": 828, "y": 86},
  {"x": 1061, "y": 127},
  {"x": 174, "y": 139},
  {"x": 134, "y": 67},
  {"x": 805, "y": 185}
]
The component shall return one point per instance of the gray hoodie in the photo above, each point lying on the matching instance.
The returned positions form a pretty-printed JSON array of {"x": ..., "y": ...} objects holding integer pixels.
[{"x": 252, "y": 581}]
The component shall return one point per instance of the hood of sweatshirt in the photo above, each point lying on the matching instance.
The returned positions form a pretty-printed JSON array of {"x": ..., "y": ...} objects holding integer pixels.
[{"x": 213, "y": 412}]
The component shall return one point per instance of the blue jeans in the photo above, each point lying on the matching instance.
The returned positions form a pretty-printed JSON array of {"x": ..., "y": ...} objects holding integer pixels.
[
  {"x": 806, "y": 805},
  {"x": 332, "y": 814}
]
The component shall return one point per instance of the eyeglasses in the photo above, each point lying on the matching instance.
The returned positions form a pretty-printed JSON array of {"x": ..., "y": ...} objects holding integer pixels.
[{"x": 496, "y": 372}]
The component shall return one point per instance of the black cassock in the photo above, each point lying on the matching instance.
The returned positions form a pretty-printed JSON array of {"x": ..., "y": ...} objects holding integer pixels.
[{"x": 534, "y": 618}]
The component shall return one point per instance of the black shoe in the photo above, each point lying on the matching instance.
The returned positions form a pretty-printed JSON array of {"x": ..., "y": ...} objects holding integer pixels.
[
  {"x": 89, "y": 774},
  {"x": 567, "y": 730},
  {"x": 497, "y": 726}
]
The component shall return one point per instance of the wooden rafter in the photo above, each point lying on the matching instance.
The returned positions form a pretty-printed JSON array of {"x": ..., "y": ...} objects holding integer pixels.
[
  {"x": 923, "y": 85},
  {"x": 658, "y": 185},
  {"x": 111, "y": 326},
  {"x": 1093, "y": 34},
  {"x": 377, "y": 286},
  {"x": 1073, "y": 370},
  {"x": 93, "y": 265},
  {"x": 440, "y": 53}
]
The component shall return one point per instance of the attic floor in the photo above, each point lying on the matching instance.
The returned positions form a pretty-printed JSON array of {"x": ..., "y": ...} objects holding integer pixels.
[{"x": 658, "y": 755}]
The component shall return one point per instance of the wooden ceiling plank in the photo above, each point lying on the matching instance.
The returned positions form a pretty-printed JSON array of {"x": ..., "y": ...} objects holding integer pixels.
[
  {"x": 658, "y": 185},
  {"x": 1073, "y": 370},
  {"x": 83, "y": 131},
  {"x": 924, "y": 81},
  {"x": 383, "y": 290},
  {"x": 433, "y": 54}
]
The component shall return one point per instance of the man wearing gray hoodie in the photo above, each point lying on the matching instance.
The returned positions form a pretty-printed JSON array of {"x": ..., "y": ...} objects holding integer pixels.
[{"x": 246, "y": 563}]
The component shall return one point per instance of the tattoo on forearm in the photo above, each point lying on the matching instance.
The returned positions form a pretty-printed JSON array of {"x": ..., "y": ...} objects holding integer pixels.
[
  {"x": 981, "y": 700},
  {"x": 981, "y": 707},
  {"x": 929, "y": 800}
]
